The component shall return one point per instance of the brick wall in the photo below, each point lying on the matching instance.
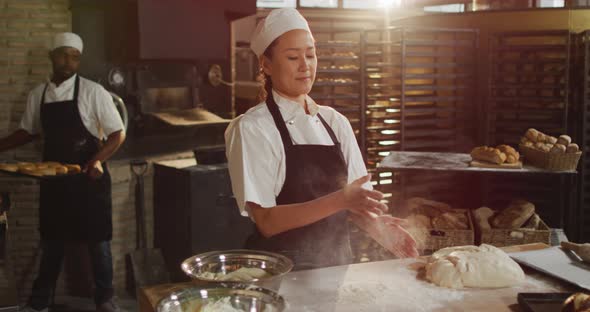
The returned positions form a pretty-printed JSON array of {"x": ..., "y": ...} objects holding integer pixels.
[{"x": 26, "y": 29}]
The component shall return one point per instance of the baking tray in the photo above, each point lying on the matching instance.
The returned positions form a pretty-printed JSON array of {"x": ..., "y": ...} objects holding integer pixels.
[
  {"x": 542, "y": 302},
  {"x": 23, "y": 175}
]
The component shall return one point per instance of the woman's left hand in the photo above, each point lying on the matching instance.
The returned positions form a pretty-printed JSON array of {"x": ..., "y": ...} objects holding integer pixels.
[{"x": 389, "y": 233}]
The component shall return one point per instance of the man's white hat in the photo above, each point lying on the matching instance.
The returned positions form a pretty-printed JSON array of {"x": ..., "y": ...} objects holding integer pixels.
[
  {"x": 67, "y": 39},
  {"x": 276, "y": 23}
]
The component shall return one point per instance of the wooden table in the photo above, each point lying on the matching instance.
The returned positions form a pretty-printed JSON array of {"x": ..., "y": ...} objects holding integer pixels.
[{"x": 393, "y": 285}]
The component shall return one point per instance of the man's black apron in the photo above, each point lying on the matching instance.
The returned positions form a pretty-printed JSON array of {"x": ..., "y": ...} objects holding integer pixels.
[
  {"x": 72, "y": 207},
  {"x": 312, "y": 171}
]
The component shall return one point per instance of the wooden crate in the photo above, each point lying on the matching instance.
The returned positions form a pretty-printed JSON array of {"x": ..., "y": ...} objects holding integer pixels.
[{"x": 430, "y": 239}]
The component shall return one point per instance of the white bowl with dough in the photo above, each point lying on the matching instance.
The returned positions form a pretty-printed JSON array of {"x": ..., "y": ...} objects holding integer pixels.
[
  {"x": 226, "y": 298},
  {"x": 262, "y": 268}
]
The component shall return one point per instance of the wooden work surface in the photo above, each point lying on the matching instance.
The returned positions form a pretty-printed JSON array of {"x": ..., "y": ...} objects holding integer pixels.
[{"x": 393, "y": 285}]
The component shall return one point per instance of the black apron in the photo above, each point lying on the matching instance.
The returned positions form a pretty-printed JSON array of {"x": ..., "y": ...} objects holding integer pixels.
[
  {"x": 74, "y": 208},
  {"x": 312, "y": 171}
]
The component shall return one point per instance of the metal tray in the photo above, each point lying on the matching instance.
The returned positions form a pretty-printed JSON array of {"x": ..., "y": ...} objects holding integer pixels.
[{"x": 542, "y": 302}]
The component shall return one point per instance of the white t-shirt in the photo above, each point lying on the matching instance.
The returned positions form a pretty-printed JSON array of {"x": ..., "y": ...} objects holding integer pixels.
[
  {"x": 255, "y": 153},
  {"x": 97, "y": 111}
]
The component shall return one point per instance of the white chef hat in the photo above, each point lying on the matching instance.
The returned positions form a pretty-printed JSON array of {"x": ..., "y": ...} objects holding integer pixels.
[
  {"x": 276, "y": 23},
  {"x": 67, "y": 39}
]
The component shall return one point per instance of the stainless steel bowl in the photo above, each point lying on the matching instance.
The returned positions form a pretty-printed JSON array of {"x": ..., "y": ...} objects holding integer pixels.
[
  {"x": 225, "y": 262},
  {"x": 217, "y": 297}
]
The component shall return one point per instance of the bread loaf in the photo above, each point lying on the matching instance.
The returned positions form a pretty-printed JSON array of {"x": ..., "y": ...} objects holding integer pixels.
[
  {"x": 430, "y": 208},
  {"x": 558, "y": 149},
  {"x": 564, "y": 140},
  {"x": 572, "y": 148},
  {"x": 482, "y": 216},
  {"x": 533, "y": 222},
  {"x": 512, "y": 156},
  {"x": 514, "y": 216},
  {"x": 488, "y": 154},
  {"x": 451, "y": 220},
  {"x": 419, "y": 220}
]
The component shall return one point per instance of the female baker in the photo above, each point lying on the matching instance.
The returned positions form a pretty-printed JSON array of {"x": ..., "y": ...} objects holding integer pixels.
[{"x": 295, "y": 166}]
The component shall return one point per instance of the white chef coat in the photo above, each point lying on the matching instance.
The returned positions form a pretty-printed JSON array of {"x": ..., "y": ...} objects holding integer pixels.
[
  {"x": 255, "y": 153},
  {"x": 97, "y": 111}
]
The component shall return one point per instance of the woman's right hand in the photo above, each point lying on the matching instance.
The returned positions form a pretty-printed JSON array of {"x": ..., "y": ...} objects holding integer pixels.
[{"x": 359, "y": 200}]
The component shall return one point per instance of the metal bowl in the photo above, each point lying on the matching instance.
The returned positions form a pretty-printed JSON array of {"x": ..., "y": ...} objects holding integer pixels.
[
  {"x": 225, "y": 262},
  {"x": 216, "y": 297}
]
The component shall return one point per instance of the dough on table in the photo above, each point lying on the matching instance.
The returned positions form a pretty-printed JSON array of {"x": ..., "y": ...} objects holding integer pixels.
[{"x": 473, "y": 267}]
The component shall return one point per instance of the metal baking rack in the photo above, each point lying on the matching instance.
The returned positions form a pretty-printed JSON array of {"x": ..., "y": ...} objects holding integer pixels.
[
  {"x": 338, "y": 81},
  {"x": 529, "y": 84}
]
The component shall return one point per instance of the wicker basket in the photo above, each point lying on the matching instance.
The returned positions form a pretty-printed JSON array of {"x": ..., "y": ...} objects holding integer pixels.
[
  {"x": 508, "y": 237},
  {"x": 435, "y": 239},
  {"x": 550, "y": 161}
]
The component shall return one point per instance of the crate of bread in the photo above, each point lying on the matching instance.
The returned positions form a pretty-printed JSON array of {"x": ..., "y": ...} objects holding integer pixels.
[
  {"x": 549, "y": 152},
  {"x": 40, "y": 169},
  {"x": 501, "y": 156},
  {"x": 435, "y": 225},
  {"x": 516, "y": 224}
]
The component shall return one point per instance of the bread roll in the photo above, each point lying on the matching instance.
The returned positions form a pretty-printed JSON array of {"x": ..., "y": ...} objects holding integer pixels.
[
  {"x": 488, "y": 154},
  {"x": 551, "y": 140},
  {"x": 24, "y": 164},
  {"x": 514, "y": 216},
  {"x": 529, "y": 144},
  {"x": 558, "y": 149},
  {"x": 578, "y": 302},
  {"x": 482, "y": 217},
  {"x": 451, "y": 221},
  {"x": 564, "y": 140},
  {"x": 539, "y": 145},
  {"x": 9, "y": 167},
  {"x": 512, "y": 156},
  {"x": 572, "y": 148},
  {"x": 52, "y": 163},
  {"x": 532, "y": 134},
  {"x": 546, "y": 147},
  {"x": 41, "y": 166},
  {"x": 72, "y": 168},
  {"x": 61, "y": 170},
  {"x": 47, "y": 171},
  {"x": 524, "y": 140},
  {"x": 31, "y": 170}
]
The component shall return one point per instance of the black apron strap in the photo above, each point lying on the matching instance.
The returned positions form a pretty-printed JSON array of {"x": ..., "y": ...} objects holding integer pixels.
[
  {"x": 329, "y": 129},
  {"x": 43, "y": 95},
  {"x": 276, "y": 116}
]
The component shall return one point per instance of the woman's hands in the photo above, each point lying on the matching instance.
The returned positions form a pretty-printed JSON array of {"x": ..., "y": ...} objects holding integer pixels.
[
  {"x": 389, "y": 233},
  {"x": 359, "y": 200}
]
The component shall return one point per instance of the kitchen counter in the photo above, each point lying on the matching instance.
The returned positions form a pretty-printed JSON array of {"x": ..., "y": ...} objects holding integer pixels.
[{"x": 393, "y": 285}]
